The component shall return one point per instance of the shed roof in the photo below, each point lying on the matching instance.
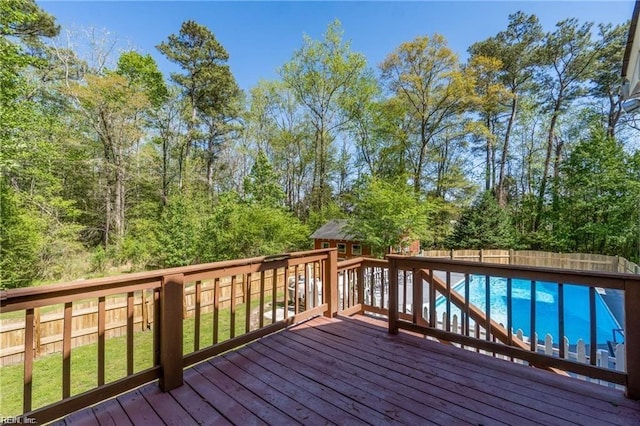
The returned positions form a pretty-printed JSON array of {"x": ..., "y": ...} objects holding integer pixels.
[{"x": 335, "y": 229}]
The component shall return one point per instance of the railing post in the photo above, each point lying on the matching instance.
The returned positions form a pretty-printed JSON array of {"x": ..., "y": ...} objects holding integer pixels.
[
  {"x": 171, "y": 297},
  {"x": 632, "y": 337},
  {"x": 331, "y": 283},
  {"x": 393, "y": 296},
  {"x": 417, "y": 297}
]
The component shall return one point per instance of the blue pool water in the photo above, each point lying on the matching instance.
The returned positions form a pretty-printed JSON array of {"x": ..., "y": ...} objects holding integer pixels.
[{"x": 576, "y": 308}]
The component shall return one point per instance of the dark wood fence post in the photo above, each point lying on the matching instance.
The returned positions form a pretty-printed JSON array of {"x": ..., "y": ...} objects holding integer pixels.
[
  {"x": 632, "y": 337},
  {"x": 360, "y": 277},
  {"x": 171, "y": 298},
  {"x": 418, "y": 296},
  {"x": 393, "y": 296},
  {"x": 330, "y": 288}
]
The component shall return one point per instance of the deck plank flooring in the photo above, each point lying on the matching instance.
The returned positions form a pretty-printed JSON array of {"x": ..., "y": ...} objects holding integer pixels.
[{"x": 350, "y": 371}]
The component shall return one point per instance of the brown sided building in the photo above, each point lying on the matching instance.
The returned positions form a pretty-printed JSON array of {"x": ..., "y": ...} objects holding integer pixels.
[{"x": 334, "y": 234}]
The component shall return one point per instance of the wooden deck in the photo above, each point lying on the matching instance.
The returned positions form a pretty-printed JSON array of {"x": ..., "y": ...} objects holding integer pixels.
[{"x": 351, "y": 371}]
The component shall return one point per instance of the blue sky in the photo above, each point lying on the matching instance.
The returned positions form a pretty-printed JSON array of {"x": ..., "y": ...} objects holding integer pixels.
[{"x": 261, "y": 36}]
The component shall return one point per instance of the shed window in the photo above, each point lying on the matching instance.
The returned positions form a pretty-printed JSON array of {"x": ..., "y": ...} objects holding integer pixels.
[
  {"x": 356, "y": 249},
  {"x": 324, "y": 245},
  {"x": 342, "y": 248}
]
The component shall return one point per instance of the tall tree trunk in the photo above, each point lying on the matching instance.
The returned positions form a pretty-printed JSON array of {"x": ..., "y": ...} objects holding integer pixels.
[
  {"x": 502, "y": 196},
  {"x": 417, "y": 178},
  {"x": 547, "y": 163},
  {"x": 119, "y": 205}
]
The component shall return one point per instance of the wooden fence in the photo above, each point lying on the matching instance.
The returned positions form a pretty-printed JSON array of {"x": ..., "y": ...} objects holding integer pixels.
[
  {"x": 48, "y": 327},
  {"x": 277, "y": 304},
  {"x": 578, "y": 261}
]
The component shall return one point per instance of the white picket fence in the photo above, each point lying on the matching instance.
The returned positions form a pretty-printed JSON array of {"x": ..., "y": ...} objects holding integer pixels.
[{"x": 603, "y": 358}]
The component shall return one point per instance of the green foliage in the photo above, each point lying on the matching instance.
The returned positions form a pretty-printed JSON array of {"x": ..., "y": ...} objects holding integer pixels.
[
  {"x": 484, "y": 225},
  {"x": 388, "y": 214},
  {"x": 237, "y": 230},
  {"x": 178, "y": 233},
  {"x": 600, "y": 198},
  {"x": 261, "y": 186},
  {"x": 324, "y": 75},
  {"x": 142, "y": 70},
  {"x": 20, "y": 240}
]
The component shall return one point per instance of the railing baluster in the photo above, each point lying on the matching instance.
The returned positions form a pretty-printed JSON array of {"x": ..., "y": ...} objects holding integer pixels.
[
  {"x": 232, "y": 311},
  {"x": 416, "y": 297},
  {"x": 274, "y": 293},
  {"x": 216, "y": 309},
  {"x": 286, "y": 292},
  {"x": 196, "y": 321},
  {"x": 66, "y": 350},
  {"x": 316, "y": 284},
  {"x": 509, "y": 313},
  {"x": 27, "y": 388},
  {"x": 157, "y": 314},
  {"x": 466, "y": 305},
  {"x": 262, "y": 289},
  {"x": 487, "y": 289},
  {"x": 561, "y": 319},
  {"x": 129, "y": 333},
  {"x": 372, "y": 284},
  {"x": 593, "y": 344},
  {"x": 404, "y": 291},
  {"x": 393, "y": 296},
  {"x": 296, "y": 297},
  {"x": 360, "y": 279},
  {"x": 448, "y": 324},
  {"x": 307, "y": 303},
  {"x": 433, "y": 320},
  {"x": 382, "y": 283},
  {"x": 352, "y": 288},
  {"x": 247, "y": 290},
  {"x": 101, "y": 337},
  {"x": 533, "y": 344}
]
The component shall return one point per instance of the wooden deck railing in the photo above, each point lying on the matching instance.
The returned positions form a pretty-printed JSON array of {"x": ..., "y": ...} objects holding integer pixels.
[
  {"x": 390, "y": 288},
  {"x": 292, "y": 287}
]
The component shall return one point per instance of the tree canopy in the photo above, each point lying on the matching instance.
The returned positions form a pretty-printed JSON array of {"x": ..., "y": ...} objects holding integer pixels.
[{"x": 110, "y": 165}]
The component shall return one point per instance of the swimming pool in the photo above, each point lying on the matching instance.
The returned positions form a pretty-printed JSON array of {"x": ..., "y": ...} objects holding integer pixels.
[{"x": 576, "y": 308}]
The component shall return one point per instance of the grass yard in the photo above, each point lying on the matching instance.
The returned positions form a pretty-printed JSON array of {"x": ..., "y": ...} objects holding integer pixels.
[{"x": 47, "y": 370}]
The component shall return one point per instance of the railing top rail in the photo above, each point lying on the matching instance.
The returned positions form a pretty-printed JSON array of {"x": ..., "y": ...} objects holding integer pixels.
[
  {"x": 15, "y": 299},
  {"x": 612, "y": 280},
  {"x": 348, "y": 263}
]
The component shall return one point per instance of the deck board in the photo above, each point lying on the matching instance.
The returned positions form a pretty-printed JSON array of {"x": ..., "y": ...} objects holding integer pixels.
[
  {"x": 521, "y": 399},
  {"x": 351, "y": 371},
  {"x": 559, "y": 391}
]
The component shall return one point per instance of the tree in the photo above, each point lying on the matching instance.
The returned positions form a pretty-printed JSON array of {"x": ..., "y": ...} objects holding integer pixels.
[
  {"x": 237, "y": 230},
  {"x": 425, "y": 76},
  {"x": 261, "y": 185},
  {"x": 569, "y": 54},
  {"x": 387, "y": 214},
  {"x": 20, "y": 241},
  {"x": 607, "y": 71},
  {"x": 208, "y": 87},
  {"x": 517, "y": 50},
  {"x": 483, "y": 225},
  {"x": 490, "y": 95},
  {"x": 600, "y": 196},
  {"x": 22, "y": 25},
  {"x": 321, "y": 74},
  {"x": 277, "y": 125},
  {"x": 112, "y": 108},
  {"x": 142, "y": 71}
]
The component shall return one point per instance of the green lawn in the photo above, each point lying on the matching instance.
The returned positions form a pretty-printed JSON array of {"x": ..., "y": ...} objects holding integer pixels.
[{"x": 47, "y": 370}]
